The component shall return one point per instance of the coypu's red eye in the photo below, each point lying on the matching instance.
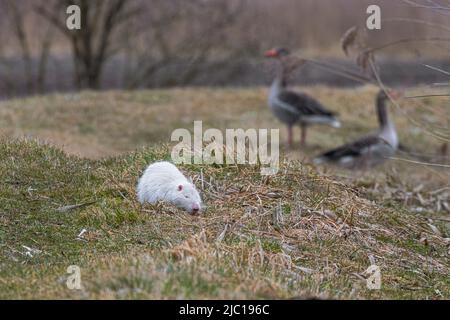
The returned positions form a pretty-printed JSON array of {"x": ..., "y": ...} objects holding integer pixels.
[{"x": 180, "y": 187}]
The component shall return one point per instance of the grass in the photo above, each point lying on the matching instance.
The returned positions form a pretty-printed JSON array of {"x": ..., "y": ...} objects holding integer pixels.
[{"x": 306, "y": 232}]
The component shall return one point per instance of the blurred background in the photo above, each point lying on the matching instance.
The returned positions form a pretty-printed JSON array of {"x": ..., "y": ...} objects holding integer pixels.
[{"x": 133, "y": 44}]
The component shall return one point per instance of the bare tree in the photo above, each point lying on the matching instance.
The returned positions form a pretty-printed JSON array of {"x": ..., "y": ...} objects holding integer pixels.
[
  {"x": 94, "y": 44},
  {"x": 16, "y": 16},
  {"x": 43, "y": 59},
  {"x": 184, "y": 34},
  {"x": 19, "y": 20}
]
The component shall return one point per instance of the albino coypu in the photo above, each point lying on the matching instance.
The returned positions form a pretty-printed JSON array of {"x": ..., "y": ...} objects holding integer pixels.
[{"x": 163, "y": 181}]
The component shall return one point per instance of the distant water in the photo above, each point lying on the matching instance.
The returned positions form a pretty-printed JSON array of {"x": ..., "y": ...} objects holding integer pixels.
[{"x": 233, "y": 73}]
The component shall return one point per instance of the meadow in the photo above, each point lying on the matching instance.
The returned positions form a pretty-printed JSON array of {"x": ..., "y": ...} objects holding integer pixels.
[{"x": 70, "y": 162}]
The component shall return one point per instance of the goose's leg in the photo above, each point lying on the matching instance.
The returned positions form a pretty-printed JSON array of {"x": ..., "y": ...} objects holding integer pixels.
[
  {"x": 303, "y": 139},
  {"x": 366, "y": 159},
  {"x": 289, "y": 135}
]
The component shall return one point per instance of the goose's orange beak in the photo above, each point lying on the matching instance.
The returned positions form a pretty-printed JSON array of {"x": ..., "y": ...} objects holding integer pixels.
[{"x": 271, "y": 53}]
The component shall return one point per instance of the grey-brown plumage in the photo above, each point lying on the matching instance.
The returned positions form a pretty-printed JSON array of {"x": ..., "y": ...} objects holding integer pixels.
[
  {"x": 304, "y": 104},
  {"x": 292, "y": 107},
  {"x": 369, "y": 150}
]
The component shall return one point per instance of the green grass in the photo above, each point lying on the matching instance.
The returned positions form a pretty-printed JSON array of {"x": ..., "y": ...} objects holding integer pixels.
[
  {"x": 313, "y": 238},
  {"x": 160, "y": 252}
]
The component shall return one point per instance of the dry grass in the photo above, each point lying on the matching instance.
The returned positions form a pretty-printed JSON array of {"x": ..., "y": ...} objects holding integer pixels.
[
  {"x": 305, "y": 232},
  {"x": 121, "y": 121},
  {"x": 96, "y": 125}
]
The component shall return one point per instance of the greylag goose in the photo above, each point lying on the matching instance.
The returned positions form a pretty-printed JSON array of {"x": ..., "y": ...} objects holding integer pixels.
[
  {"x": 369, "y": 150},
  {"x": 295, "y": 108}
]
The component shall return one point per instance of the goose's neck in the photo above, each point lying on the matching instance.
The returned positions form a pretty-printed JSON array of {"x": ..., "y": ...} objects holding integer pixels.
[
  {"x": 383, "y": 118},
  {"x": 279, "y": 83},
  {"x": 387, "y": 127}
]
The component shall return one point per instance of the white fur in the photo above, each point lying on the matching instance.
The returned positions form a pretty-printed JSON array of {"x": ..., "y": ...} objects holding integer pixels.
[{"x": 162, "y": 181}]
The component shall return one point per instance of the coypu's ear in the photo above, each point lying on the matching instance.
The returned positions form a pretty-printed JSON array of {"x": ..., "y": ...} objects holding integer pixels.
[{"x": 180, "y": 187}]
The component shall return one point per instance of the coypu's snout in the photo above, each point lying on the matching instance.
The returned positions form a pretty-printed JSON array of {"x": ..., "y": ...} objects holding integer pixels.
[{"x": 195, "y": 208}]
